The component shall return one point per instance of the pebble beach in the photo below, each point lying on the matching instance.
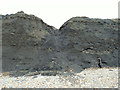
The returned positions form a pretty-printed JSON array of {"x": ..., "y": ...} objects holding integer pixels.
[{"x": 88, "y": 78}]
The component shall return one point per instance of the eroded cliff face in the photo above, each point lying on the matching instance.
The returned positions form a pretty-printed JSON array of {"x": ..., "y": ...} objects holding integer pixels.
[
  {"x": 84, "y": 39},
  {"x": 26, "y": 42},
  {"x": 30, "y": 44}
]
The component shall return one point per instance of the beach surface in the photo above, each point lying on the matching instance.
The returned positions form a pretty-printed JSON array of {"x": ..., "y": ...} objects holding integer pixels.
[{"x": 88, "y": 78}]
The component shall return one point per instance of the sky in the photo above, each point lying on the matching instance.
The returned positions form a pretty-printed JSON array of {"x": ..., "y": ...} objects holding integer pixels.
[{"x": 56, "y": 12}]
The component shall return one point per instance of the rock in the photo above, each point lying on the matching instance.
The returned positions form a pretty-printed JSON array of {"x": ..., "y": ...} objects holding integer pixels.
[{"x": 20, "y": 12}]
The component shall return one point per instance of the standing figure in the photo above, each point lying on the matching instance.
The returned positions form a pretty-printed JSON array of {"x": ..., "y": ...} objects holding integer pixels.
[{"x": 99, "y": 62}]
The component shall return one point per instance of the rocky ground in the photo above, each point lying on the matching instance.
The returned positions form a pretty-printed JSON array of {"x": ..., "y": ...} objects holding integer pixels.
[{"x": 88, "y": 78}]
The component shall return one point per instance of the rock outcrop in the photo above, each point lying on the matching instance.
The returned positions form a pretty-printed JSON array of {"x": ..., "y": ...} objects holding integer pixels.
[{"x": 30, "y": 44}]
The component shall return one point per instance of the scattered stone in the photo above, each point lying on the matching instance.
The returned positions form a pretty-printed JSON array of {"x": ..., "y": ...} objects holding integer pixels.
[{"x": 110, "y": 70}]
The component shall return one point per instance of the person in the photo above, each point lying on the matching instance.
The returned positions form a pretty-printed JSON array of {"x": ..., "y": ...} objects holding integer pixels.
[{"x": 99, "y": 62}]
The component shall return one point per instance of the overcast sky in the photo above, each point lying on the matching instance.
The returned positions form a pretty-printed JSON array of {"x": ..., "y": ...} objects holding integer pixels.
[{"x": 56, "y": 12}]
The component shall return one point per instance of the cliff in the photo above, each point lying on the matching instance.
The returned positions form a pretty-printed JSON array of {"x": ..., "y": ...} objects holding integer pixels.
[{"x": 31, "y": 44}]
